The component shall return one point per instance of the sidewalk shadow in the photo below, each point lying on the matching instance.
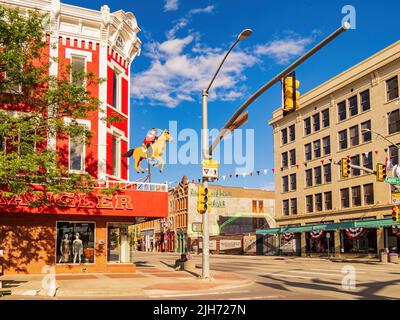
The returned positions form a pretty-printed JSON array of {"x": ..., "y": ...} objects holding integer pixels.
[
  {"x": 186, "y": 270},
  {"x": 143, "y": 264},
  {"x": 12, "y": 283}
]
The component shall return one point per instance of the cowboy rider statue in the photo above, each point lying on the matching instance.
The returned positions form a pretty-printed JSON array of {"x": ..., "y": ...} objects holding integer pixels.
[{"x": 150, "y": 138}]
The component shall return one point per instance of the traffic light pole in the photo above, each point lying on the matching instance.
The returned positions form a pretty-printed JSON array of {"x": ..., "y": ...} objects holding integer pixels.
[
  {"x": 225, "y": 129},
  {"x": 205, "y": 156},
  {"x": 358, "y": 167}
]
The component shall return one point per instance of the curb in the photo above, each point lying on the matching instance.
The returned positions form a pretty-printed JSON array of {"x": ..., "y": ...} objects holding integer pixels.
[{"x": 244, "y": 283}]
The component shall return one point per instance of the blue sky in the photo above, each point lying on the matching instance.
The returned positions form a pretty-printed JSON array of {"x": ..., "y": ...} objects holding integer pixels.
[{"x": 183, "y": 41}]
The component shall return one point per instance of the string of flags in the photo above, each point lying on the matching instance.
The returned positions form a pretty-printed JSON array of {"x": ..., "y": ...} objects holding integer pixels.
[{"x": 261, "y": 172}]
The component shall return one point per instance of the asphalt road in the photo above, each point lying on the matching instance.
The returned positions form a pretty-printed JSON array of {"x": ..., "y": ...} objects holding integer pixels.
[{"x": 278, "y": 278}]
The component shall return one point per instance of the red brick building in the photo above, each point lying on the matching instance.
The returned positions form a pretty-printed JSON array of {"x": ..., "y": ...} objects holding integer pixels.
[{"x": 85, "y": 232}]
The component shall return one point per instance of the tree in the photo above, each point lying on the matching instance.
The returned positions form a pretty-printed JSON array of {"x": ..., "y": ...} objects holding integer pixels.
[{"x": 33, "y": 105}]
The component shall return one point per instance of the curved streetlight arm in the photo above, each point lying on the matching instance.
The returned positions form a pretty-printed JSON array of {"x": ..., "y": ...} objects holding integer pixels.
[
  {"x": 220, "y": 65},
  {"x": 269, "y": 84},
  {"x": 382, "y": 136}
]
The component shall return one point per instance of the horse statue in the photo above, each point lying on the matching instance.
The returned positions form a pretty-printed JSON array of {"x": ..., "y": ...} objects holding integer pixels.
[{"x": 158, "y": 148}]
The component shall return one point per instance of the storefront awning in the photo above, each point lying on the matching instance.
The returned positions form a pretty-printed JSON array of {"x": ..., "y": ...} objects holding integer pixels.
[{"x": 373, "y": 223}]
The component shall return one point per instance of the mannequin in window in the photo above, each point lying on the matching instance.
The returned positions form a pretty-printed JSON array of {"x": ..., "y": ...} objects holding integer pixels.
[
  {"x": 65, "y": 249},
  {"x": 77, "y": 248}
]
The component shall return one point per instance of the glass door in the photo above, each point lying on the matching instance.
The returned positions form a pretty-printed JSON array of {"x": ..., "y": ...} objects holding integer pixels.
[{"x": 118, "y": 244}]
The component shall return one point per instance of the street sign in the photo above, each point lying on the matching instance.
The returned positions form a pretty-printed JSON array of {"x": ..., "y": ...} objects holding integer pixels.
[
  {"x": 396, "y": 199},
  {"x": 210, "y": 169},
  {"x": 392, "y": 180},
  {"x": 328, "y": 235},
  {"x": 197, "y": 227}
]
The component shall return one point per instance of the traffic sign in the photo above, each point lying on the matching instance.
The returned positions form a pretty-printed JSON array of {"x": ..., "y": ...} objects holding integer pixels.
[
  {"x": 396, "y": 199},
  {"x": 392, "y": 180},
  {"x": 210, "y": 169},
  {"x": 197, "y": 227}
]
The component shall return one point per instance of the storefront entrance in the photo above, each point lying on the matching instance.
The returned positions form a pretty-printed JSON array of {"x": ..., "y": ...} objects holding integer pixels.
[{"x": 118, "y": 244}]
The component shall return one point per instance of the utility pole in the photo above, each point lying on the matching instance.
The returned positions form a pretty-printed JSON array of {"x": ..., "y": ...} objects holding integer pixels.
[{"x": 206, "y": 155}]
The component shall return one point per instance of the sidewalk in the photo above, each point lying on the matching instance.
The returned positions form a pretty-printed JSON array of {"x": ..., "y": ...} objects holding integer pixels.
[{"x": 146, "y": 282}]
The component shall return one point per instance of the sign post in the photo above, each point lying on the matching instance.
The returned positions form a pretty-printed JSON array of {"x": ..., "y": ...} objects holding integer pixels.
[{"x": 210, "y": 169}]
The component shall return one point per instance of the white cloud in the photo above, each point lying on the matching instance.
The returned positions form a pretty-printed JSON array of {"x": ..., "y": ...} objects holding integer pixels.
[
  {"x": 185, "y": 20},
  {"x": 283, "y": 50},
  {"x": 207, "y": 9},
  {"x": 171, "y": 5},
  {"x": 175, "y": 46},
  {"x": 178, "y": 73}
]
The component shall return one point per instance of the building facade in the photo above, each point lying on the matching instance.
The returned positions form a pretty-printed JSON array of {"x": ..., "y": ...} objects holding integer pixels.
[
  {"x": 234, "y": 216},
  {"x": 356, "y": 116},
  {"x": 85, "y": 232}
]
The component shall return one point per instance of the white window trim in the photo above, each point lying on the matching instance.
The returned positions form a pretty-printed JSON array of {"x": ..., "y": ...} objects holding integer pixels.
[
  {"x": 84, "y": 67},
  {"x": 69, "y": 52},
  {"x": 87, "y": 124},
  {"x": 117, "y": 94},
  {"x": 118, "y": 154}
]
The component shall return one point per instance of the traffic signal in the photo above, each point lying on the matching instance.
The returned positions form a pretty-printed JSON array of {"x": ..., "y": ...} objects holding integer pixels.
[
  {"x": 380, "y": 172},
  {"x": 202, "y": 200},
  {"x": 345, "y": 167},
  {"x": 395, "y": 213},
  {"x": 291, "y": 96}
]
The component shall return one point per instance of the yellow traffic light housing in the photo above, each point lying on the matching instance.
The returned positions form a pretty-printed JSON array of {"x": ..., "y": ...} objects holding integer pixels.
[
  {"x": 395, "y": 214},
  {"x": 202, "y": 200},
  {"x": 345, "y": 167},
  {"x": 291, "y": 96},
  {"x": 380, "y": 172}
]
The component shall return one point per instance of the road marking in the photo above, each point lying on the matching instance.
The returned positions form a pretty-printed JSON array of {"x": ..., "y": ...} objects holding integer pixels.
[
  {"x": 362, "y": 269},
  {"x": 254, "y": 298},
  {"x": 286, "y": 275},
  {"x": 317, "y": 273},
  {"x": 196, "y": 294},
  {"x": 338, "y": 271}
]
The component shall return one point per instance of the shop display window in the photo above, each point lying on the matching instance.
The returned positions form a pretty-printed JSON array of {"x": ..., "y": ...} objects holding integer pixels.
[
  {"x": 75, "y": 242},
  {"x": 364, "y": 243}
]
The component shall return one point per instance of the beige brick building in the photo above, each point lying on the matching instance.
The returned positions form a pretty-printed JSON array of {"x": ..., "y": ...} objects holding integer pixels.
[{"x": 345, "y": 117}]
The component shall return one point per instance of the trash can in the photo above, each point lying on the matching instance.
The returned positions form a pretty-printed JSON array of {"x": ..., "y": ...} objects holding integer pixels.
[
  {"x": 384, "y": 256},
  {"x": 393, "y": 258}
]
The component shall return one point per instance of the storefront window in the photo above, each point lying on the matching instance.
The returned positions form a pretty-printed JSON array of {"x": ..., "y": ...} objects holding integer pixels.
[
  {"x": 75, "y": 242},
  {"x": 392, "y": 239},
  {"x": 317, "y": 242},
  {"x": 359, "y": 240}
]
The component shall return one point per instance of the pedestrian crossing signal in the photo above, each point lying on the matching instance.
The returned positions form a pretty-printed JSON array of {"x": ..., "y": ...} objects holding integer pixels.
[
  {"x": 345, "y": 167},
  {"x": 380, "y": 172},
  {"x": 202, "y": 200},
  {"x": 395, "y": 214}
]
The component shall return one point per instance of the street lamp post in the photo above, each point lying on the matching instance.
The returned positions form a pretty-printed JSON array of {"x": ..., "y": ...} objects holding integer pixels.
[
  {"x": 382, "y": 136},
  {"x": 206, "y": 155}
]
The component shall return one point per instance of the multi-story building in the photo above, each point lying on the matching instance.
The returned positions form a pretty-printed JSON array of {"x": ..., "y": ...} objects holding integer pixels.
[
  {"x": 103, "y": 43},
  {"x": 356, "y": 116},
  {"x": 234, "y": 216}
]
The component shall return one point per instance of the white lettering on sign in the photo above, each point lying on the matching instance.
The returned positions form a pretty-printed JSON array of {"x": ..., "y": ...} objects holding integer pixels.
[{"x": 229, "y": 244}]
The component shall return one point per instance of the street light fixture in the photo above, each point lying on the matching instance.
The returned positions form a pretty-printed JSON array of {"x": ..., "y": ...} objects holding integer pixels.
[
  {"x": 382, "y": 136},
  {"x": 206, "y": 155}
]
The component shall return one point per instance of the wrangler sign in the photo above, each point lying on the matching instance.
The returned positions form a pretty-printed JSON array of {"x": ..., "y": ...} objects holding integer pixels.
[{"x": 122, "y": 203}]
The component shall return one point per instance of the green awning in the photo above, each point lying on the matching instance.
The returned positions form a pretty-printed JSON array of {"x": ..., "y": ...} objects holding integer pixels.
[{"x": 372, "y": 223}]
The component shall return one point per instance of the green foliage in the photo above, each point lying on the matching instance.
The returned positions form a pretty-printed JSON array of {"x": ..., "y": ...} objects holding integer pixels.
[{"x": 33, "y": 107}]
